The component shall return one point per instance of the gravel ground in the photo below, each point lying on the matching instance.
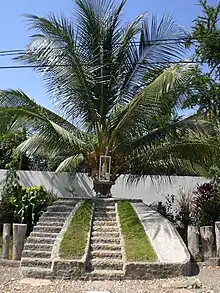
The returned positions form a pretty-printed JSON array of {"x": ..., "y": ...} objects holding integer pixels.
[{"x": 11, "y": 282}]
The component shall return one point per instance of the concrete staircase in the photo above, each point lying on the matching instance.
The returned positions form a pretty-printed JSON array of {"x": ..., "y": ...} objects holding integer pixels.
[
  {"x": 36, "y": 257},
  {"x": 105, "y": 256}
]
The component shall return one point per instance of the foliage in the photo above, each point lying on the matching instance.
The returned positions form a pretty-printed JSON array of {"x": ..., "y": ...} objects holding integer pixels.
[
  {"x": 206, "y": 32},
  {"x": 205, "y": 205},
  {"x": 114, "y": 96},
  {"x": 20, "y": 204},
  {"x": 9, "y": 141},
  {"x": 136, "y": 242},
  {"x": 166, "y": 209},
  {"x": 183, "y": 209},
  {"x": 177, "y": 209},
  {"x": 29, "y": 203},
  {"x": 74, "y": 241}
]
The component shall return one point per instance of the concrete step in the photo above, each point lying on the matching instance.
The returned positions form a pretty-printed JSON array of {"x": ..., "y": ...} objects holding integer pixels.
[
  {"x": 69, "y": 202},
  {"x": 44, "y": 235},
  {"x": 38, "y": 246},
  {"x": 104, "y": 213},
  {"x": 60, "y": 208},
  {"x": 40, "y": 240},
  {"x": 35, "y": 272},
  {"x": 105, "y": 275},
  {"x": 103, "y": 207},
  {"x": 102, "y": 239},
  {"x": 105, "y": 246},
  {"x": 106, "y": 234},
  {"x": 104, "y": 229},
  {"x": 113, "y": 254},
  {"x": 104, "y": 218},
  {"x": 104, "y": 203},
  {"x": 36, "y": 262},
  {"x": 36, "y": 254},
  {"x": 55, "y": 214},
  {"x": 47, "y": 229},
  {"x": 106, "y": 264},
  {"x": 53, "y": 224},
  {"x": 104, "y": 223},
  {"x": 52, "y": 219}
]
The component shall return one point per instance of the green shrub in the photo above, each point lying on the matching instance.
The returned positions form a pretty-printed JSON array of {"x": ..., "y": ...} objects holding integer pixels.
[
  {"x": 21, "y": 204},
  {"x": 206, "y": 205}
]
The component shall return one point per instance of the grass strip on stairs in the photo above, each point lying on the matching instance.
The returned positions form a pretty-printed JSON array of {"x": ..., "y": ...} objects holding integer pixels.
[
  {"x": 74, "y": 239},
  {"x": 136, "y": 242}
]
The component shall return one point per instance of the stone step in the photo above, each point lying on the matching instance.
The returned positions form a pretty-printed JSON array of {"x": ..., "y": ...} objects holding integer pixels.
[
  {"x": 35, "y": 272},
  {"x": 106, "y": 234},
  {"x": 59, "y": 208},
  {"x": 47, "y": 229},
  {"x": 105, "y": 217},
  {"x": 40, "y": 240},
  {"x": 113, "y": 254},
  {"x": 53, "y": 224},
  {"x": 36, "y": 254},
  {"x": 106, "y": 264},
  {"x": 104, "y": 213},
  {"x": 104, "y": 203},
  {"x": 55, "y": 214},
  {"x": 52, "y": 219},
  {"x": 36, "y": 262},
  {"x": 105, "y": 240},
  {"x": 107, "y": 207},
  {"x": 104, "y": 223},
  {"x": 69, "y": 202},
  {"x": 44, "y": 235},
  {"x": 104, "y": 229},
  {"x": 105, "y": 275},
  {"x": 105, "y": 246},
  {"x": 38, "y": 246}
]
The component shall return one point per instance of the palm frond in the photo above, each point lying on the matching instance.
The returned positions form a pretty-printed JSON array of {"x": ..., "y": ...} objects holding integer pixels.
[{"x": 70, "y": 164}]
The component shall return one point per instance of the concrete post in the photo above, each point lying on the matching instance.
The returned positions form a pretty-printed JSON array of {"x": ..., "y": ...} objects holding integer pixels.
[
  {"x": 207, "y": 239},
  {"x": 193, "y": 242},
  {"x": 19, "y": 232},
  {"x": 6, "y": 240},
  {"x": 217, "y": 236}
]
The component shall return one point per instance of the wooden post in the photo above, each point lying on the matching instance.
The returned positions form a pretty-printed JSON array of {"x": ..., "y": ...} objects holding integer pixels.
[
  {"x": 19, "y": 232},
  {"x": 207, "y": 239},
  {"x": 6, "y": 240},
  {"x": 217, "y": 236},
  {"x": 193, "y": 242}
]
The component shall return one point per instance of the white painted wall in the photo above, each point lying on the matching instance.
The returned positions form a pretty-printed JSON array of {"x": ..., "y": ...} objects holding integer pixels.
[{"x": 81, "y": 185}]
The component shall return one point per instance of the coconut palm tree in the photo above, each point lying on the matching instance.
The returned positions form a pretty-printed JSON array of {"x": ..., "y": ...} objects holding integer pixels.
[{"x": 114, "y": 89}]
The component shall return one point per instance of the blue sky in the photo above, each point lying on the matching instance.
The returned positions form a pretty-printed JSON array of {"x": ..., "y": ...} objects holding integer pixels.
[{"x": 15, "y": 33}]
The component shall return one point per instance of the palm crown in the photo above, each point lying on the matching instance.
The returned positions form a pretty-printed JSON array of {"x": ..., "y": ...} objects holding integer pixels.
[{"x": 114, "y": 88}]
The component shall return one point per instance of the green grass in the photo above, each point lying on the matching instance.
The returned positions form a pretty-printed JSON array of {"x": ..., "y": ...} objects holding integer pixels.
[
  {"x": 137, "y": 244},
  {"x": 75, "y": 238}
]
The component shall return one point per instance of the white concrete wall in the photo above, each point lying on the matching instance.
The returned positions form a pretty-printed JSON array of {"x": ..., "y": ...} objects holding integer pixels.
[{"x": 147, "y": 190}]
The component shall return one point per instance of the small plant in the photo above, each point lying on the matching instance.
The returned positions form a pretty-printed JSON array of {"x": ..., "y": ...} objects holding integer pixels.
[
  {"x": 166, "y": 209},
  {"x": 184, "y": 209},
  {"x": 206, "y": 205},
  {"x": 21, "y": 204}
]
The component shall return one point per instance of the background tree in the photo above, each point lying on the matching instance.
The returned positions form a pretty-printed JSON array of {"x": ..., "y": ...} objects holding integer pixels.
[{"x": 204, "y": 90}]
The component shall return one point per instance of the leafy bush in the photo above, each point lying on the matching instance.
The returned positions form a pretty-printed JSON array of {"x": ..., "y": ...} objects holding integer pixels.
[
  {"x": 21, "y": 204},
  {"x": 29, "y": 203},
  {"x": 205, "y": 205},
  {"x": 166, "y": 209},
  {"x": 183, "y": 209}
]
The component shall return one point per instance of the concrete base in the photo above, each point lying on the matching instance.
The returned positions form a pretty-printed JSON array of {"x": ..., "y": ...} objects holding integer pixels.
[{"x": 173, "y": 256}]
